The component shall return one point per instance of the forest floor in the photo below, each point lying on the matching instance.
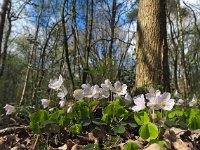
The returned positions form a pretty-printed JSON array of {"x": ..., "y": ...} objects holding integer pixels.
[{"x": 15, "y": 136}]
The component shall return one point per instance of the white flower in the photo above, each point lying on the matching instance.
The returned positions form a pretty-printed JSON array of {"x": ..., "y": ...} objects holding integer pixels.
[
  {"x": 120, "y": 89},
  {"x": 105, "y": 93},
  {"x": 9, "y": 109},
  {"x": 107, "y": 85},
  {"x": 86, "y": 89},
  {"x": 70, "y": 106},
  {"x": 152, "y": 93},
  {"x": 90, "y": 92},
  {"x": 62, "y": 103},
  {"x": 139, "y": 103},
  {"x": 97, "y": 92},
  {"x": 193, "y": 102},
  {"x": 176, "y": 94},
  {"x": 63, "y": 92},
  {"x": 45, "y": 103},
  {"x": 153, "y": 103},
  {"x": 56, "y": 84},
  {"x": 61, "y": 95},
  {"x": 180, "y": 102},
  {"x": 165, "y": 102},
  {"x": 78, "y": 94},
  {"x": 128, "y": 99}
]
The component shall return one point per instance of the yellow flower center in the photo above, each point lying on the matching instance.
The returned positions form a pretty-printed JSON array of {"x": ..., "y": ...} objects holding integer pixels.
[
  {"x": 163, "y": 104},
  {"x": 118, "y": 90}
]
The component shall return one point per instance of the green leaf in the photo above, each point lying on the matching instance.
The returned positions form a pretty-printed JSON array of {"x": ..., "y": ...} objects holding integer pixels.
[
  {"x": 160, "y": 143},
  {"x": 194, "y": 122},
  {"x": 158, "y": 115},
  {"x": 80, "y": 112},
  {"x": 179, "y": 113},
  {"x": 131, "y": 146},
  {"x": 106, "y": 118},
  {"x": 170, "y": 122},
  {"x": 141, "y": 118},
  {"x": 59, "y": 117},
  {"x": 119, "y": 129},
  {"x": 49, "y": 126},
  {"x": 76, "y": 129},
  {"x": 148, "y": 130},
  {"x": 171, "y": 114},
  {"x": 98, "y": 122},
  {"x": 36, "y": 119},
  {"x": 86, "y": 122},
  {"x": 133, "y": 125}
]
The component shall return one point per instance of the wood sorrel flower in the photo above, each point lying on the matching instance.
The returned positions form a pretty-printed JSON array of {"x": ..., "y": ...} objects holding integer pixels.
[
  {"x": 62, "y": 103},
  {"x": 107, "y": 85},
  {"x": 9, "y": 109},
  {"x": 153, "y": 97},
  {"x": 120, "y": 89},
  {"x": 128, "y": 99},
  {"x": 45, "y": 103},
  {"x": 139, "y": 103},
  {"x": 152, "y": 94},
  {"x": 86, "y": 89},
  {"x": 56, "y": 84},
  {"x": 78, "y": 94},
  {"x": 165, "y": 102},
  {"x": 180, "y": 102},
  {"x": 97, "y": 92},
  {"x": 176, "y": 94},
  {"x": 63, "y": 92},
  {"x": 193, "y": 102}
]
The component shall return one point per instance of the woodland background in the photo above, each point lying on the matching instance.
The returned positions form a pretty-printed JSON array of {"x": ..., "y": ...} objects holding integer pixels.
[{"x": 88, "y": 41}]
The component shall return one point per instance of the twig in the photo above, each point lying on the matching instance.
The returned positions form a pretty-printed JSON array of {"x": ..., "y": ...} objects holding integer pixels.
[
  {"x": 35, "y": 143},
  {"x": 10, "y": 130}
]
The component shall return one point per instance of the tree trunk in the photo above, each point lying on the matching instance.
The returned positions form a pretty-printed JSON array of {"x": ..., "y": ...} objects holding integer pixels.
[
  {"x": 5, "y": 45},
  {"x": 112, "y": 28},
  {"x": 88, "y": 42},
  {"x": 151, "y": 48},
  {"x": 175, "y": 56},
  {"x": 181, "y": 46},
  {"x": 65, "y": 44},
  {"x": 3, "y": 12}
]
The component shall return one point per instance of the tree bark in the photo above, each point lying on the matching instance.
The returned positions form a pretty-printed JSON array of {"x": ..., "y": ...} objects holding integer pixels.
[
  {"x": 88, "y": 45},
  {"x": 65, "y": 45},
  {"x": 112, "y": 28},
  {"x": 3, "y": 12},
  {"x": 151, "y": 48},
  {"x": 5, "y": 45},
  {"x": 181, "y": 46}
]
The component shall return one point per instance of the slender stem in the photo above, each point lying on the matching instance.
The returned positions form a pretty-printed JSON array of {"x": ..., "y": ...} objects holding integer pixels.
[
  {"x": 36, "y": 141},
  {"x": 153, "y": 112}
]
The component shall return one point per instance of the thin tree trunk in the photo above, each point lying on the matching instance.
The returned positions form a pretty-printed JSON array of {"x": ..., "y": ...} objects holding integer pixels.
[
  {"x": 175, "y": 57},
  {"x": 5, "y": 47},
  {"x": 181, "y": 45},
  {"x": 112, "y": 28},
  {"x": 30, "y": 59},
  {"x": 88, "y": 45},
  {"x": 65, "y": 44},
  {"x": 3, "y": 12}
]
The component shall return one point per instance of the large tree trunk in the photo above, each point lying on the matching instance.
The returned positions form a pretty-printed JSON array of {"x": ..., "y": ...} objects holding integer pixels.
[{"x": 151, "y": 49}]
